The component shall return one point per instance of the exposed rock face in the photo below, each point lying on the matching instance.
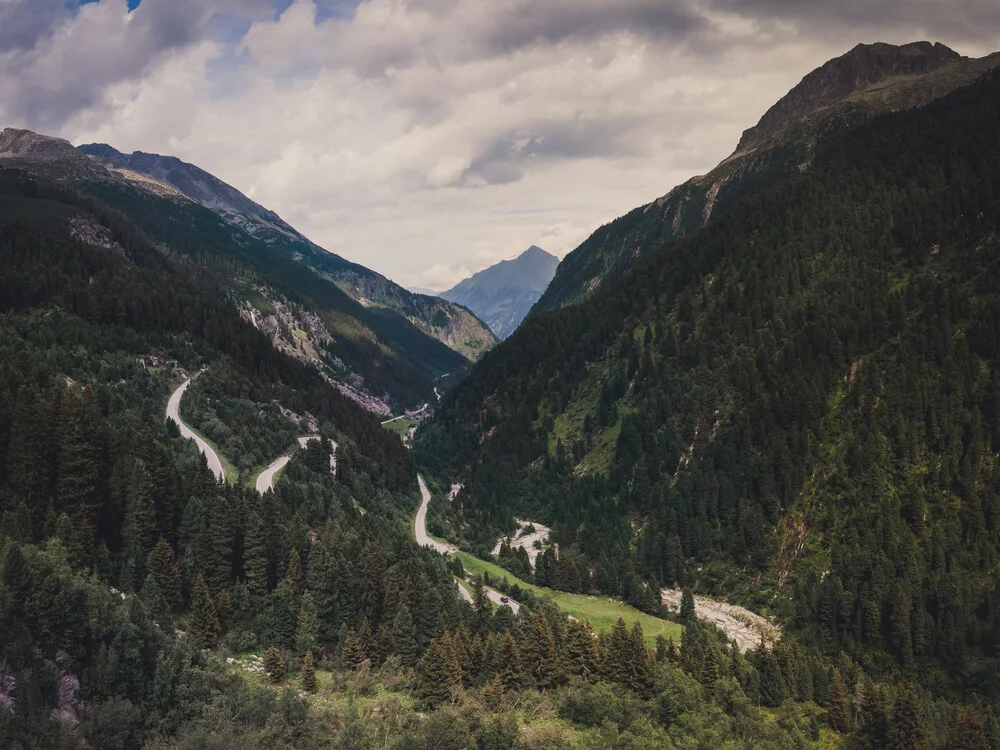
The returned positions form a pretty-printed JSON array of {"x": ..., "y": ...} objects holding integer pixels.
[
  {"x": 870, "y": 80},
  {"x": 26, "y": 145},
  {"x": 863, "y": 67}
]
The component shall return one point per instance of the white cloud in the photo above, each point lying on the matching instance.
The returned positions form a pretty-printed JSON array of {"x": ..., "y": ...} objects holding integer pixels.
[{"x": 430, "y": 138}]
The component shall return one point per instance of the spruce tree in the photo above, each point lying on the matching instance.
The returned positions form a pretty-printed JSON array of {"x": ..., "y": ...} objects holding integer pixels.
[
  {"x": 404, "y": 637},
  {"x": 538, "y": 651},
  {"x": 838, "y": 705},
  {"x": 907, "y": 725},
  {"x": 439, "y": 677},
  {"x": 294, "y": 574},
  {"x": 353, "y": 653},
  {"x": 969, "y": 732},
  {"x": 156, "y": 605},
  {"x": 308, "y": 679},
  {"x": 274, "y": 665},
  {"x": 507, "y": 662},
  {"x": 160, "y": 564},
  {"x": 687, "y": 606},
  {"x": 306, "y": 625},
  {"x": 203, "y": 623},
  {"x": 255, "y": 559}
]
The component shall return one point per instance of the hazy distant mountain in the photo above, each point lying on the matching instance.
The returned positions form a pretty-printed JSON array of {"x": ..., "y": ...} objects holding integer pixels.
[
  {"x": 502, "y": 295},
  {"x": 421, "y": 290}
]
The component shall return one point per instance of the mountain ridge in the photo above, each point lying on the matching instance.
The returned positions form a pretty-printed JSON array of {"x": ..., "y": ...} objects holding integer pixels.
[{"x": 866, "y": 81}]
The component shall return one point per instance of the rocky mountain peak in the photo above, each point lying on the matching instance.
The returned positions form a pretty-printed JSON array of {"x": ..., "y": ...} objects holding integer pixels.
[
  {"x": 860, "y": 69},
  {"x": 25, "y": 144}
]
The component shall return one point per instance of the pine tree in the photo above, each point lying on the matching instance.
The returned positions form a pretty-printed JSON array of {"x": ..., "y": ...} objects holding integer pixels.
[
  {"x": 255, "y": 559},
  {"x": 404, "y": 637},
  {"x": 353, "y": 653},
  {"x": 156, "y": 605},
  {"x": 578, "y": 653},
  {"x": 306, "y": 625},
  {"x": 639, "y": 666},
  {"x": 439, "y": 677},
  {"x": 907, "y": 725},
  {"x": 687, "y": 606},
  {"x": 308, "y": 680},
  {"x": 969, "y": 732},
  {"x": 203, "y": 623},
  {"x": 538, "y": 651},
  {"x": 294, "y": 574},
  {"x": 507, "y": 662},
  {"x": 274, "y": 665},
  {"x": 160, "y": 564},
  {"x": 838, "y": 706}
]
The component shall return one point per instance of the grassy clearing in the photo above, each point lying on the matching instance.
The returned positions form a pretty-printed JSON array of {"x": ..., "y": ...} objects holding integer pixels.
[
  {"x": 401, "y": 426},
  {"x": 600, "y": 612}
]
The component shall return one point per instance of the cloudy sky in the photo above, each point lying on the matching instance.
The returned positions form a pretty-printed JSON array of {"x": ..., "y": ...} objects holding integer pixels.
[{"x": 428, "y": 139}]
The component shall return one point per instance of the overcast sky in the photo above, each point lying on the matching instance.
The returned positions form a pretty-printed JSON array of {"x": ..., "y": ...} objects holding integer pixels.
[{"x": 428, "y": 139}]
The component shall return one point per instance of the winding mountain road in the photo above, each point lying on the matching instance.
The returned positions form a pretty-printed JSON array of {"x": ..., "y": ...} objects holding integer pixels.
[
  {"x": 424, "y": 540},
  {"x": 173, "y": 412},
  {"x": 265, "y": 480}
]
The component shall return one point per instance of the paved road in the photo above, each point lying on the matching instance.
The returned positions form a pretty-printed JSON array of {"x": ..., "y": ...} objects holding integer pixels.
[
  {"x": 420, "y": 524},
  {"x": 265, "y": 480},
  {"x": 420, "y": 530},
  {"x": 173, "y": 412}
]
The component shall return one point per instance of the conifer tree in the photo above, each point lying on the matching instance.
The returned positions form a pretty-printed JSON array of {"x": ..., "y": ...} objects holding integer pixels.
[
  {"x": 404, "y": 638},
  {"x": 838, "y": 706},
  {"x": 353, "y": 653},
  {"x": 203, "y": 623},
  {"x": 907, "y": 725},
  {"x": 294, "y": 573},
  {"x": 538, "y": 651},
  {"x": 687, "y": 606},
  {"x": 507, "y": 662},
  {"x": 255, "y": 559},
  {"x": 274, "y": 665},
  {"x": 439, "y": 677},
  {"x": 155, "y": 603},
  {"x": 160, "y": 564},
  {"x": 969, "y": 732},
  {"x": 306, "y": 625},
  {"x": 308, "y": 679}
]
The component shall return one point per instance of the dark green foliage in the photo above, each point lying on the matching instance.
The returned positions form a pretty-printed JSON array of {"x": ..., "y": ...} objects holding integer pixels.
[
  {"x": 439, "y": 677},
  {"x": 203, "y": 623},
  {"x": 274, "y": 665},
  {"x": 308, "y": 673},
  {"x": 404, "y": 637},
  {"x": 796, "y": 404}
]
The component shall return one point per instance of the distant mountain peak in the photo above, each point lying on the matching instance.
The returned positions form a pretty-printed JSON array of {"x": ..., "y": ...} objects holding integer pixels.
[
  {"x": 860, "y": 68},
  {"x": 502, "y": 294}
]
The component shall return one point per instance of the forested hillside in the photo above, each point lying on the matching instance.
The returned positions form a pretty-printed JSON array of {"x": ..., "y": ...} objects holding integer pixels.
[
  {"x": 797, "y": 407},
  {"x": 145, "y": 605}
]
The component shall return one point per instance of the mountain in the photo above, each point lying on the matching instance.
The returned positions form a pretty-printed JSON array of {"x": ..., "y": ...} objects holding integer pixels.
[
  {"x": 384, "y": 356},
  {"x": 868, "y": 81},
  {"x": 796, "y": 406},
  {"x": 451, "y": 325},
  {"x": 502, "y": 295}
]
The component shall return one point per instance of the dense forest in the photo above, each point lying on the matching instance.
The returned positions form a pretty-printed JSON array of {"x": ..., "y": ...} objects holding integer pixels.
[
  {"x": 145, "y": 604},
  {"x": 796, "y": 407}
]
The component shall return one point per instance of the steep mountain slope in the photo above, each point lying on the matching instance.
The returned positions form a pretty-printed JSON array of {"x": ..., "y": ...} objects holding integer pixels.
[
  {"x": 451, "y": 325},
  {"x": 798, "y": 405},
  {"x": 503, "y": 294},
  {"x": 870, "y": 80},
  {"x": 373, "y": 354}
]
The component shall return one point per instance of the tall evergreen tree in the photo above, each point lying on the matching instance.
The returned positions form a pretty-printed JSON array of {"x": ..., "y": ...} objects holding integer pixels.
[
  {"x": 203, "y": 624},
  {"x": 308, "y": 679},
  {"x": 439, "y": 677},
  {"x": 404, "y": 637},
  {"x": 163, "y": 567}
]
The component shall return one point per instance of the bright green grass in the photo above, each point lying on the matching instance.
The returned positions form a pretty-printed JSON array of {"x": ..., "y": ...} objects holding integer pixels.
[
  {"x": 401, "y": 426},
  {"x": 600, "y": 612},
  {"x": 300, "y": 335}
]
